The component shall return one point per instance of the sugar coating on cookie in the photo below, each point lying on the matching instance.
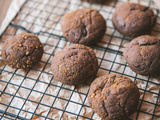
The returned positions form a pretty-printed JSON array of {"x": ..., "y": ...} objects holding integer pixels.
[
  {"x": 85, "y": 26},
  {"x": 143, "y": 55},
  {"x": 113, "y": 97},
  {"x": 74, "y": 65},
  {"x": 134, "y": 19},
  {"x": 22, "y": 51}
]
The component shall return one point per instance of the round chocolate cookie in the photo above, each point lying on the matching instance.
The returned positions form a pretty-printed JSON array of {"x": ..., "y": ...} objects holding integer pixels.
[
  {"x": 22, "y": 51},
  {"x": 113, "y": 97},
  {"x": 95, "y": 1},
  {"x": 143, "y": 55},
  {"x": 134, "y": 19},
  {"x": 74, "y": 65},
  {"x": 85, "y": 26}
]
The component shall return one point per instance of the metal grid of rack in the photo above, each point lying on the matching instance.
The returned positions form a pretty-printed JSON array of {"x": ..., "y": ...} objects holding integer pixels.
[{"x": 45, "y": 24}]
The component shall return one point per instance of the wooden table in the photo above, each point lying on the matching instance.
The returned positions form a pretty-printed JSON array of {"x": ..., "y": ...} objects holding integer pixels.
[{"x": 4, "y": 4}]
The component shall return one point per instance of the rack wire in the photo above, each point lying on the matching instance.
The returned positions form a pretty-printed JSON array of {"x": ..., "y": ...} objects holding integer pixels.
[{"x": 41, "y": 17}]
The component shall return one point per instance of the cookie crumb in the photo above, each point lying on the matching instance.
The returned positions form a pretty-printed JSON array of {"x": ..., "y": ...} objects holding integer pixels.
[
  {"x": 25, "y": 37},
  {"x": 24, "y": 66},
  {"x": 27, "y": 53},
  {"x": 81, "y": 16},
  {"x": 20, "y": 45},
  {"x": 18, "y": 66},
  {"x": 66, "y": 34}
]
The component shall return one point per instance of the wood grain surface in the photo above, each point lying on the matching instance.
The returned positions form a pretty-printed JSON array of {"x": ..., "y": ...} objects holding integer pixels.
[{"x": 4, "y": 5}]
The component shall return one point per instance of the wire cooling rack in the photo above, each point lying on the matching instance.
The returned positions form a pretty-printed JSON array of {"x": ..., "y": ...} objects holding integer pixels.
[{"x": 41, "y": 17}]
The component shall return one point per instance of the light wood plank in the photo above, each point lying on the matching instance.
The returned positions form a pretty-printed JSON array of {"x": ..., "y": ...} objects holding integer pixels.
[{"x": 4, "y": 5}]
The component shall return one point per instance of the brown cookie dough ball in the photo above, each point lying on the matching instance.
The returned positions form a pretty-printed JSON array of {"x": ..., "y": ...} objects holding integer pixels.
[
  {"x": 74, "y": 65},
  {"x": 113, "y": 97},
  {"x": 85, "y": 26},
  {"x": 134, "y": 19},
  {"x": 143, "y": 55},
  {"x": 95, "y": 1},
  {"x": 22, "y": 51}
]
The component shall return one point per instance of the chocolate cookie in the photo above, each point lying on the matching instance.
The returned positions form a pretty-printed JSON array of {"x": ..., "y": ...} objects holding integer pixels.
[
  {"x": 134, "y": 19},
  {"x": 74, "y": 65},
  {"x": 85, "y": 26},
  {"x": 143, "y": 55},
  {"x": 95, "y": 1},
  {"x": 113, "y": 97},
  {"x": 22, "y": 51}
]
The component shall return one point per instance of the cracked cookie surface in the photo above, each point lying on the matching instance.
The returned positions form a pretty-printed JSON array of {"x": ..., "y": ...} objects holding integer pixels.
[
  {"x": 134, "y": 19},
  {"x": 143, "y": 55},
  {"x": 74, "y": 65},
  {"x": 22, "y": 51},
  {"x": 113, "y": 97},
  {"x": 85, "y": 26}
]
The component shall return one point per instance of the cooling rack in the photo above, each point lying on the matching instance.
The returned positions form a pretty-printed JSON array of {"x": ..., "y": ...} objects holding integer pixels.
[{"x": 19, "y": 88}]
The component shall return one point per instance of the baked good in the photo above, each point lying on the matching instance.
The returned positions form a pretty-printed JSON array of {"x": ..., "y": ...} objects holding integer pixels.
[
  {"x": 74, "y": 65},
  {"x": 134, "y": 19},
  {"x": 22, "y": 51},
  {"x": 143, "y": 55},
  {"x": 85, "y": 26},
  {"x": 95, "y": 1},
  {"x": 113, "y": 97}
]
